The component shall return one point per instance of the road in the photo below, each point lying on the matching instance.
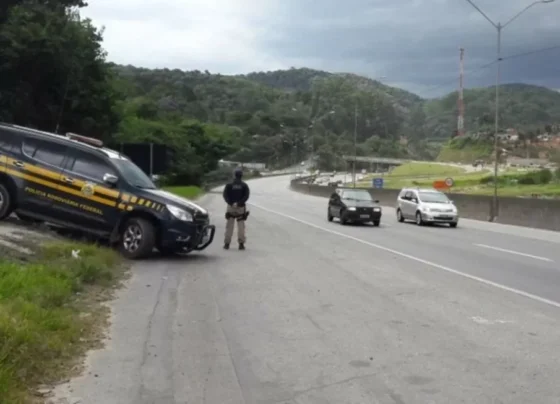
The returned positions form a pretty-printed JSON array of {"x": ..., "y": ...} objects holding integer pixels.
[{"x": 319, "y": 313}]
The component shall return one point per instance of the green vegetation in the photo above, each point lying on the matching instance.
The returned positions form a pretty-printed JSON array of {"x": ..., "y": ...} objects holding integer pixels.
[
  {"x": 467, "y": 150},
  {"x": 418, "y": 169},
  {"x": 54, "y": 76},
  {"x": 189, "y": 192},
  {"x": 50, "y": 312},
  {"x": 511, "y": 182},
  {"x": 522, "y": 106}
]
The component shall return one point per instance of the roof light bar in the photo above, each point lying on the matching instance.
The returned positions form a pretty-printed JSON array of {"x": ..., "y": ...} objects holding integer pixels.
[{"x": 84, "y": 139}]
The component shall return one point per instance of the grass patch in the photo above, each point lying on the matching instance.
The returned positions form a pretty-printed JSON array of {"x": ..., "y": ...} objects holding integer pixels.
[
  {"x": 424, "y": 169},
  {"x": 50, "y": 312},
  {"x": 189, "y": 191}
]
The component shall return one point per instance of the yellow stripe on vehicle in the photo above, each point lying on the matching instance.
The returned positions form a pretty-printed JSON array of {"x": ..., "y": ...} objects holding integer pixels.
[
  {"x": 122, "y": 206},
  {"x": 141, "y": 202},
  {"x": 133, "y": 199},
  {"x": 125, "y": 197},
  {"x": 3, "y": 159},
  {"x": 57, "y": 176},
  {"x": 60, "y": 188}
]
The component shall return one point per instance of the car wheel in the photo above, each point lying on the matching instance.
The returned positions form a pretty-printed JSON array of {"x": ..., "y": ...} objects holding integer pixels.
[
  {"x": 419, "y": 220},
  {"x": 376, "y": 223},
  {"x": 329, "y": 216},
  {"x": 138, "y": 238},
  {"x": 6, "y": 202},
  {"x": 400, "y": 217},
  {"x": 342, "y": 218},
  {"x": 453, "y": 225}
]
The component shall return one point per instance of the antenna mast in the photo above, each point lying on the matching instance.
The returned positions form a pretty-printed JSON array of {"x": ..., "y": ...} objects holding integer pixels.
[{"x": 460, "y": 103}]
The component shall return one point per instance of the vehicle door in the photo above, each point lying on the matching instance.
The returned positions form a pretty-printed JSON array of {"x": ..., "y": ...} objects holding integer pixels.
[
  {"x": 406, "y": 204},
  {"x": 402, "y": 202},
  {"x": 411, "y": 203},
  {"x": 90, "y": 182},
  {"x": 37, "y": 167}
]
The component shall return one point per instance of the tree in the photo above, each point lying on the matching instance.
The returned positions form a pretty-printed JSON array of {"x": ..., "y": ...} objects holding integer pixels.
[{"x": 53, "y": 73}]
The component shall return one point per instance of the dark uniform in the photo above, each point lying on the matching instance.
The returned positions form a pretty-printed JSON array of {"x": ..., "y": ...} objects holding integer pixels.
[{"x": 236, "y": 194}]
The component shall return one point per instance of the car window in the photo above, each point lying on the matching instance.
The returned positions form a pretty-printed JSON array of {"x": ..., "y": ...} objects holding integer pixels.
[
  {"x": 408, "y": 195},
  {"x": 434, "y": 197},
  {"x": 90, "y": 166},
  {"x": 7, "y": 140},
  {"x": 46, "y": 152}
]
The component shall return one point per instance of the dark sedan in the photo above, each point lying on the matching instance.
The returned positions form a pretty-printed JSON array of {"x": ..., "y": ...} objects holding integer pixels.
[{"x": 354, "y": 205}]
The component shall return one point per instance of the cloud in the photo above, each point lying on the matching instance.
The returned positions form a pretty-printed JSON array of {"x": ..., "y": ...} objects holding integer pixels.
[{"x": 414, "y": 43}]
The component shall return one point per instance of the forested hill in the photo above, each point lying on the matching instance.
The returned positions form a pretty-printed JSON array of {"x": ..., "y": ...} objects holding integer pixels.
[
  {"x": 522, "y": 106},
  {"x": 302, "y": 80}
]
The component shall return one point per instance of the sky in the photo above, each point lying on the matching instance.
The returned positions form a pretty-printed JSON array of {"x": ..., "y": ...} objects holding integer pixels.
[{"x": 412, "y": 44}]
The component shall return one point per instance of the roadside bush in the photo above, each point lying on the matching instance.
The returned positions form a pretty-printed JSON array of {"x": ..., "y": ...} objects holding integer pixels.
[{"x": 537, "y": 177}]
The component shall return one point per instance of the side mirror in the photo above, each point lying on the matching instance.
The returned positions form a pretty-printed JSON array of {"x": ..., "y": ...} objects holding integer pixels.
[
  {"x": 110, "y": 179},
  {"x": 414, "y": 200},
  {"x": 451, "y": 202},
  {"x": 376, "y": 201}
]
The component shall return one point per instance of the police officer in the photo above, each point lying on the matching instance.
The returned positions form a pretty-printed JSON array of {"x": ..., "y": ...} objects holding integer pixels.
[{"x": 236, "y": 194}]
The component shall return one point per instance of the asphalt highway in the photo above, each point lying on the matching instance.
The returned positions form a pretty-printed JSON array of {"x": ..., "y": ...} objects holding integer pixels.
[{"x": 319, "y": 313}]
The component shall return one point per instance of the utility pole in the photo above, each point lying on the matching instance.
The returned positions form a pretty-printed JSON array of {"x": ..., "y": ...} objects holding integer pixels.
[
  {"x": 499, "y": 28},
  {"x": 355, "y": 144}
]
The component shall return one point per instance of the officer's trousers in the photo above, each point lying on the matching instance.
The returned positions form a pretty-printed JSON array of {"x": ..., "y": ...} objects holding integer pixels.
[{"x": 238, "y": 212}]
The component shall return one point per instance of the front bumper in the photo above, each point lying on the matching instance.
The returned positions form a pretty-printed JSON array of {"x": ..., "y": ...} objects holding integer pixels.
[
  {"x": 187, "y": 236},
  {"x": 440, "y": 217},
  {"x": 362, "y": 215}
]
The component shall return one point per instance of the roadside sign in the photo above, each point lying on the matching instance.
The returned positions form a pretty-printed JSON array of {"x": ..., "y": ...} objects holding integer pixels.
[
  {"x": 377, "y": 183},
  {"x": 440, "y": 185},
  {"x": 449, "y": 182}
]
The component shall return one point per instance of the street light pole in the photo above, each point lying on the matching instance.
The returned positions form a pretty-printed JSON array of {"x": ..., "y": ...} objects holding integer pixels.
[
  {"x": 499, "y": 27},
  {"x": 355, "y": 144}
]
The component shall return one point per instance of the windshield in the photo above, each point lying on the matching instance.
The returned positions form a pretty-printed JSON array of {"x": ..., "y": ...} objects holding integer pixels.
[
  {"x": 133, "y": 174},
  {"x": 433, "y": 197},
  {"x": 357, "y": 195}
]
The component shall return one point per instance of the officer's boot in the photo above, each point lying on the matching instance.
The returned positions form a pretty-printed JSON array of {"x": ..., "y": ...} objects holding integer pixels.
[
  {"x": 241, "y": 246},
  {"x": 226, "y": 246}
]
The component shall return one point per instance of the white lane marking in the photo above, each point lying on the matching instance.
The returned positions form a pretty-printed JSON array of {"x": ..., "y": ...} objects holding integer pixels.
[
  {"x": 514, "y": 252},
  {"x": 482, "y": 320},
  {"x": 413, "y": 258}
]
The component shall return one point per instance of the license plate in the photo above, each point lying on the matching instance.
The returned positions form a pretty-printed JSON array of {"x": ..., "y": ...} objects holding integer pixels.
[{"x": 364, "y": 216}]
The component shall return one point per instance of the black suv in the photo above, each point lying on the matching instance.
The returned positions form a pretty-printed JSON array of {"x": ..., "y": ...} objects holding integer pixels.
[
  {"x": 354, "y": 205},
  {"x": 74, "y": 182}
]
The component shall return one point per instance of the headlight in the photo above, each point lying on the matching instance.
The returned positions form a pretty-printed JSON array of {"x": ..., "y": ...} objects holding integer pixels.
[
  {"x": 377, "y": 209},
  {"x": 351, "y": 208},
  {"x": 180, "y": 213}
]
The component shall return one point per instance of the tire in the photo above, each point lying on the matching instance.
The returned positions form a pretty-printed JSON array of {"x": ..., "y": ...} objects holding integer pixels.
[
  {"x": 342, "y": 219},
  {"x": 6, "y": 202},
  {"x": 400, "y": 217},
  {"x": 419, "y": 220},
  {"x": 329, "y": 216},
  {"x": 453, "y": 225},
  {"x": 138, "y": 238},
  {"x": 376, "y": 223}
]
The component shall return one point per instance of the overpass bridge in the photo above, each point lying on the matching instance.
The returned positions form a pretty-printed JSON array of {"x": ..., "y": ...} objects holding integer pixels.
[{"x": 374, "y": 164}]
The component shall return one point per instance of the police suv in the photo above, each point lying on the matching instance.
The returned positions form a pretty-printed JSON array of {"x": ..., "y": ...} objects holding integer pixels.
[{"x": 74, "y": 182}]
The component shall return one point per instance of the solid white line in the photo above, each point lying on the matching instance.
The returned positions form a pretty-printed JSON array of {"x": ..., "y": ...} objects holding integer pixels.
[
  {"x": 413, "y": 258},
  {"x": 514, "y": 252}
]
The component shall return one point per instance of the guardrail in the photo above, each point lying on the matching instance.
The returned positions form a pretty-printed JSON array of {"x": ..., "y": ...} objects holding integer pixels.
[{"x": 535, "y": 213}]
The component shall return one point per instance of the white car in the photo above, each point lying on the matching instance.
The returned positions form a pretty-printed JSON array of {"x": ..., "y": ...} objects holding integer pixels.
[{"x": 426, "y": 206}]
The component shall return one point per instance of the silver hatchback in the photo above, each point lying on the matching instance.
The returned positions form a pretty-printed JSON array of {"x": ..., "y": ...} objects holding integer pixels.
[{"x": 426, "y": 205}]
